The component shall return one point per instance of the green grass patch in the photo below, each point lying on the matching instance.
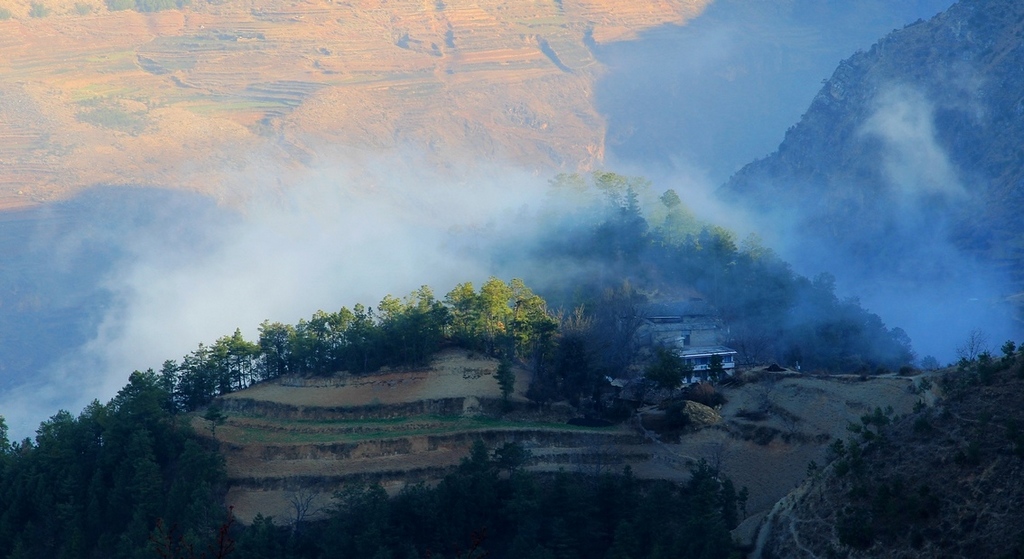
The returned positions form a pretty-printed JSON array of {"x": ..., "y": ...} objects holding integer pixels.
[
  {"x": 97, "y": 92},
  {"x": 363, "y": 429},
  {"x": 114, "y": 118},
  {"x": 213, "y": 107}
]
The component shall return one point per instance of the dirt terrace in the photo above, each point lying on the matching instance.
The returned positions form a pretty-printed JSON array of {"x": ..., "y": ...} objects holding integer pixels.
[
  {"x": 311, "y": 437},
  {"x": 394, "y": 428},
  {"x": 187, "y": 97}
]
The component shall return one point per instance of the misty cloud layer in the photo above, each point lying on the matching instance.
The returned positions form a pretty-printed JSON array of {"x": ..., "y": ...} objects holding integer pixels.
[
  {"x": 702, "y": 100},
  {"x": 152, "y": 273},
  {"x": 177, "y": 270},
  {"x": 719, "y": 92}
]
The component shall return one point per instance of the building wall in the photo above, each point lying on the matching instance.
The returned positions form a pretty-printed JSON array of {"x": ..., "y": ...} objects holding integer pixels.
[{"x": 702, "y": 331}]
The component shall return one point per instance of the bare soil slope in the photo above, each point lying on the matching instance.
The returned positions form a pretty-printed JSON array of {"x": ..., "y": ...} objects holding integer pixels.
[{"x": 188, "y": 97}]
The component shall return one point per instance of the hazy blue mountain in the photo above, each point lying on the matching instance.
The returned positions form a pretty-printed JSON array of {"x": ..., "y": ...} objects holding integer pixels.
[
  {"x": 719, "y": 91},
  {"x": 905, "y": 175}
]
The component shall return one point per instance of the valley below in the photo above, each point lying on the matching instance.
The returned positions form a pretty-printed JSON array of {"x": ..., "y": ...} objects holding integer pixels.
[{"x": 201, "y": 97}]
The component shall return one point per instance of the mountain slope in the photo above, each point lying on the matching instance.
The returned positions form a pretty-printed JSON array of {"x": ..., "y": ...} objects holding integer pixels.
[
  {"x": 191, "y": 97},
  {"x": 913, "y": 143},
  {"x": 941, "y": 482}
]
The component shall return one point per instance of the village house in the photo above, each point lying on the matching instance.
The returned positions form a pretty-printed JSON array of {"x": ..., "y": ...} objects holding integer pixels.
[{"x": 690, "y": 328}]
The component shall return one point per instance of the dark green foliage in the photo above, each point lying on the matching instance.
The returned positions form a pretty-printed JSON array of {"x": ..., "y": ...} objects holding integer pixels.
[
  {"x": 884, "y": 512},
  {"x": 506, "y": 377},
  {"x": 511, "y": 456},
  {"x": 854, "y": 528},
  {"x": 668, "y": 369},
  {"x": 773, "y": 313},
  {"x": 1016, "y": 437},
  {"x": 716, "y": 369},
  {"x": 930, "y": 363},
  {"x": 96, "y": 485},
  {"x": 215, "y": 417},
  {"x": 676, "y": 418},
  {"x": 502, "y": 319},
  {"x": 877, "y": 419},
  {"x": 487, "y": 509},
  {"x": 970, "y": 457}
]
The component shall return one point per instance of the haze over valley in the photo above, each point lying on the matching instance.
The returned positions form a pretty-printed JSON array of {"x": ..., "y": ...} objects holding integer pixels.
[
  {"x": 174, "y": 136},
  {"x": 500, "y": 197}
]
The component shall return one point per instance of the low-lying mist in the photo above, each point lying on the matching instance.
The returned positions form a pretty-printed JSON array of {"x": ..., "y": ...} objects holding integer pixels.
[
  {"x": 120, "y": 279},
  {"x": 688, "y": 106},
  {"x": 143, "y": 275}
]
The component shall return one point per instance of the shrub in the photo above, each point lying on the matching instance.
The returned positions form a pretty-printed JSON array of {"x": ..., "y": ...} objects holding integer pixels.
[
  {"x": 930, "y": 363},
  {"x": 704, "y": 393},
  {"x": 119, "y": 5},
  {"x": 854, "y": 528},
  {"x": 38, "y": 10},
  {"x": 4, "y": 14},
  {"x": 83, "y": 9}
]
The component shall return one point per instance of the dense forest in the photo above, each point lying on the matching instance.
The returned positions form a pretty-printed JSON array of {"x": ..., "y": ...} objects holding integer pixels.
[
  {"x": 129, "y": 479},
  {"x": 96, "y": 485},
  {"x": 489, "y": 507}
]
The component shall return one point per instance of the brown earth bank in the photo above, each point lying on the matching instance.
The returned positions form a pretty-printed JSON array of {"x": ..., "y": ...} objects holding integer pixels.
[
  {"x": 296, "y": 439},
  {"x": 193, "y": 97}
]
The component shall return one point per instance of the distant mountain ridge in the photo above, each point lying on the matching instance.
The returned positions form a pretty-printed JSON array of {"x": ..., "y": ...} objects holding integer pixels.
[{"x": 909, "y": 145}]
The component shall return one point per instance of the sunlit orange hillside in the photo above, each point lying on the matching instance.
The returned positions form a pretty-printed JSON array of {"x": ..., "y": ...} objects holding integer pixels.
[{"x": 184, "y": 97}]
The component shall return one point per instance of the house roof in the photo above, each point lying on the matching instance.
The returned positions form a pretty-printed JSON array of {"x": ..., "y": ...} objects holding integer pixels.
[
  {"x": 666, "y": 309},
  {"x": 706, "y": 351}
]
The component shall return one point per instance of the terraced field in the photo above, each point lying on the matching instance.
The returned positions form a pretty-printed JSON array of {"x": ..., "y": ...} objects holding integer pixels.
[
  {"x": 186, "y": 98},
  {"x": 313, "y": 437},
  {"x": 300, "y": 440}
]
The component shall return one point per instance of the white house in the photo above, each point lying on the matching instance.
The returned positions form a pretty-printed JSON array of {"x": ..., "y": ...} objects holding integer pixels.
[{"x": 691, "y": 329}]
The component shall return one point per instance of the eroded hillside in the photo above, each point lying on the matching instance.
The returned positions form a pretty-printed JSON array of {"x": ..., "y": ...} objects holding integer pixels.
[
  {"x": 190, "y": 97},
  {"x": 915, "y": 138}
]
